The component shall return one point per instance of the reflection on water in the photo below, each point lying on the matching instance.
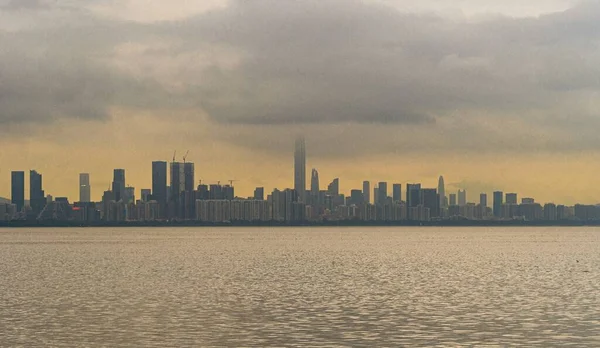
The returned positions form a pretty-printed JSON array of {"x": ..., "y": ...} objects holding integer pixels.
[{"x": 300, "y": 287}]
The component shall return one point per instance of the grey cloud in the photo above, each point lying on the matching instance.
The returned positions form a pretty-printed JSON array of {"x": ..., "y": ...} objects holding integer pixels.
[{"x": 327, "y": 64}]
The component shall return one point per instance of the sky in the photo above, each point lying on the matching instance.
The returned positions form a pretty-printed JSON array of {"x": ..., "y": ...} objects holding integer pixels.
[{"x": 494, "y": 95}]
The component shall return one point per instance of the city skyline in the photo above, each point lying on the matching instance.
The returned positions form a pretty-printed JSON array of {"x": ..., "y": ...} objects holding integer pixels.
[
  {"x": 408, "y": 92},
  {"x": 246, "y": 190},
  {"x": 181, "y": 174}
]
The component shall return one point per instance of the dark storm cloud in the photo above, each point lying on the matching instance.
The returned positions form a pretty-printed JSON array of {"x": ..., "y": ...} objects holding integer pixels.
[
  {"x": 324, "y": 63},
  {"x": 336, "y": 61}
]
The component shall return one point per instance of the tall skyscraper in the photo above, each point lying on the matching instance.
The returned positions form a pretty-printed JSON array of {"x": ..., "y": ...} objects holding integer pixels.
[
  {"x": 129, "y": 196},
  {"x": 498, "y": 197},
  {"x": 118, "y": 184},
  {"x": 18, "y": 189},
  {"x": 367, "y": 191},
  {"x": 37, "y": 199},
  {"x": 462, "y": 198},
  {"x": 177, "y": 187},
  {"x": 145, "y": 195},
  {"x": 483, "y": 200},
  {"x": 300, "y": 169},
  {"x": 159, "y": 186},
  {"x": 85, "y": 190},
  {"x": 442, "y": 192},
  {"x": 333, "y": 189},
  {"x": 259, "y": 194},
  {"x": 511, "y": 198},
  {"x": 314, "y": 186},
  {"x": 188, "y": 177},
  {"x": 382, "y": 195},
  {"x": 413, "y": 195},
  {"x": 396, "y": 192},
  {"x": 452, "y": 199},
  {"x": 430, "y": 199}
]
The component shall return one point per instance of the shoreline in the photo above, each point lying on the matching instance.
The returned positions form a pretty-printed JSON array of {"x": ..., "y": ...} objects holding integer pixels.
[{"x": 462, "y": 223}]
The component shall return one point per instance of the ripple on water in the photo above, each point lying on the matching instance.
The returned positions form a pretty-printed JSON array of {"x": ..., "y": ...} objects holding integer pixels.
[{"x": 300, "y": 287}]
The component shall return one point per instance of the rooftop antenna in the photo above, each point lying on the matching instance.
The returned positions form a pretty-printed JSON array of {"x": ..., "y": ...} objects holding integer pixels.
[
  {"x": 174, "y": 153},
  {"x": 185, "y": 156}
]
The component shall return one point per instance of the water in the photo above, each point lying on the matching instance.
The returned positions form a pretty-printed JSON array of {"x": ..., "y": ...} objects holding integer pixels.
[{"x": 300, "y": 287}]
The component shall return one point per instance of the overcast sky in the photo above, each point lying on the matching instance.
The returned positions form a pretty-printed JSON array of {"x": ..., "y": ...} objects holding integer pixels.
[{"x": 490, "y": 94}]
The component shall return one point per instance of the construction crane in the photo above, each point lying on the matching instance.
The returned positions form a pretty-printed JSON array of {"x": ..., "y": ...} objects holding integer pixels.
[
  {"x": 174, "y": 153},
  {"x": 185, "y": 156},
  {"x": 231, "y": 181}
]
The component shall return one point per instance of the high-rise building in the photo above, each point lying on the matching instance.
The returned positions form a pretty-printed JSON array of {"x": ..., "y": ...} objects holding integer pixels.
[
  {"x": 259, "y": 193},
  {"x": 333, "y": 189},
  {"x": 228, "y": 192},
  {"x": 129, "y": 196},
  {"x": 397, "y": 192},
  {"x": 442, "y": 192},
  {"x": 145, "y": 194},
  {"x": 188, "y": 177},
  {"x": 37, "y": 199},
  {"x": 203, "y": 193},
  {"x": 314, "y": 188},
  {"x": 300, "y": 169},
  {"x": 511, "y": 198},
  {"x": 314, "y": 183},
  {"x": 383, "y": 192},
  {"x": 483, "y": 200},
  {"x": 367, "y": 191},
  {"x": 498, "y": 201},
  {"x": 356, "y": 198},
  {"x": 85, "y": 191},
  {"x": 118, "y": 184},
  {"x": 528, "y": 201},
  {"x": 176, "y": 188},
  {"x": 462, "y": 198},
  {"x": 413, "y": 197},
  {"x": 452, "y": 198},
  {"x": 430, "y": 199},
  {"x": 159, "y": 186}
]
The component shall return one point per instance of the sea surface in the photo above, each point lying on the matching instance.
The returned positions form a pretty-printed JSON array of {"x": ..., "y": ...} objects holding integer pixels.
[{"x": 310, "y": 287}]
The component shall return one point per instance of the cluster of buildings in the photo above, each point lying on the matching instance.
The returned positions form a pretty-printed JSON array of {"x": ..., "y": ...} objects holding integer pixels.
[{"x": 174, "y": 196}]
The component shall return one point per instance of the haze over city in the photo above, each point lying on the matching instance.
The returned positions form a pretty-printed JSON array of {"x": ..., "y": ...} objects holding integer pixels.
[{"x": 494, "y": 96}]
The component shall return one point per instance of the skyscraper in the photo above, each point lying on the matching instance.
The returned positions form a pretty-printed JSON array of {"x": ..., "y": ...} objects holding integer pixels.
[
  {"x": 177, "y": 187},
  {"x": 452, "y": 199},
  {"x": 462, "y": 198},
  {"x": 483, "y": 200},
  {"x": 145, "y": 195},
  {"x": 382, "y": 195},
  {"x": 159, "y": 186},
  {"x": 430, "y": 199},
  {"x": 442, "y": 192},
  {"x": 367, "y": 191},
  {"x": 118, "y": 184},
  {"x": 18, "y": 189},
  {"x": 259, "y": 194},
  {"x": 396, "y": 192},
  {"x": 498, "y": 197},
  {"x": 300, "y": 169},
  {"x": 188, "y": 177},
  {"x": 314, "y": 187},
  {"x": 333, "y": 189},
  {"x": 413, "y": 195},
  {"x": 37, "y": 199},
  {"x": 511, "y": 198},
  {"x": 85, "y": 191}
]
